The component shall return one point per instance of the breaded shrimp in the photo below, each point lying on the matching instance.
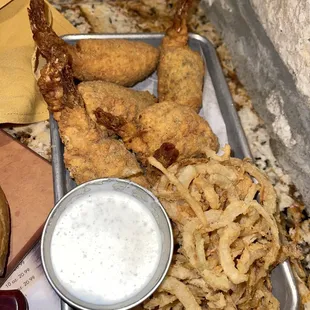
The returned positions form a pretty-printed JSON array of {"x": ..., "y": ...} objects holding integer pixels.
[
  {"x": 115, "y": 99},
  {"x": 118, "y": 61},
  {"x": 164, "y": 122},
  {"x": 180, "y": 69},
  {"x": 88, "y": 154}
]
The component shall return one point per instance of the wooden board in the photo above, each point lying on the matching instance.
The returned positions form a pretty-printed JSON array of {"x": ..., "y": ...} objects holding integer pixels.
[{"x": 26, "y": 180}]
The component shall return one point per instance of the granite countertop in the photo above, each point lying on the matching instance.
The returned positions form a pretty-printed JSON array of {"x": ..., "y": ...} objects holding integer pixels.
[{"x": 143, "y": 16}]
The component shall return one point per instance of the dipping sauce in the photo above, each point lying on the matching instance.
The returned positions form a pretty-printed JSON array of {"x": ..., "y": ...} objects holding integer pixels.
[{"x": 105, "y": 247}]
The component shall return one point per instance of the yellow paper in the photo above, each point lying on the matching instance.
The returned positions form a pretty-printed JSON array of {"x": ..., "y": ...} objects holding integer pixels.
[{"x": 20, "y": 100}]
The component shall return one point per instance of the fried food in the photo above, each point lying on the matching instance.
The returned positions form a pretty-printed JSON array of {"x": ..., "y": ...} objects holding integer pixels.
[
  {"x": 5, "y": 228},
  {"x": 115, "y": 99},
  {"x": 181, "y": 291},
  {"x": 164, "y": 122},
  {"x": 113, "y": 60},
  {"x": 186, "y": 195},
  {"x": 167, "y": 154},
  {"x": 88, "y": 154},
  {"x": 225, "y": 249},
  {"x": 226, "y": 241},
  {"x": 180, "y": 69}
]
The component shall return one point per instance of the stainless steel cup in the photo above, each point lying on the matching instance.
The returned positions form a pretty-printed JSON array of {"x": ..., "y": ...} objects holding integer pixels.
[{"x": 133, "y": 191}]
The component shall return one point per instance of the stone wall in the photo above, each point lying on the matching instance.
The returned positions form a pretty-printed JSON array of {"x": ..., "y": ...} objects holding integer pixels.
[
  {"x": 269, "y": 42},
  {"x": 287, "y": 24}
]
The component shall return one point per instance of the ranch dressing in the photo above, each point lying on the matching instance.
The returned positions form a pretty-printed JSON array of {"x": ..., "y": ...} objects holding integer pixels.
[{"x": 105, "y": 248}]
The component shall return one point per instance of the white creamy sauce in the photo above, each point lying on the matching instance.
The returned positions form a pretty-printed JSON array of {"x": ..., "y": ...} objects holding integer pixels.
[{"x": 105, "y": 248}]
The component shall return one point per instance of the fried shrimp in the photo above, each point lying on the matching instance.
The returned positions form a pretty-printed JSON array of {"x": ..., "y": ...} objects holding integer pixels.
[
  {"x": 164, "y": 122},
  {"x": 180, "y": 69},
  {"x": 115, "y": 99},
  {"x": 113, "y": 60},
  {"x": 226, "y": 242},
  {"x": 88, "y": 154}
]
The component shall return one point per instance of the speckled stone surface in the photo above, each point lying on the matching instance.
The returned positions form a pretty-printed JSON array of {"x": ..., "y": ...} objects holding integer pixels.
[{"x": 144, "y": 16}]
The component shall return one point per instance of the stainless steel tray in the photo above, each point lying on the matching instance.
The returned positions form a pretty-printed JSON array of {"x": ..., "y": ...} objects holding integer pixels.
[{"x": 284, "y": 286}]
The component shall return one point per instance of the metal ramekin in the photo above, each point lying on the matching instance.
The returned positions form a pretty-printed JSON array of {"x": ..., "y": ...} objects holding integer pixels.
[{"x": 132, "y": 190}]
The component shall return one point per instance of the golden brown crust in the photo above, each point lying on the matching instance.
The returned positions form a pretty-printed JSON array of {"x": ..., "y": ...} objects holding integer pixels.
[
  {"x": 169, "y": 122},
  {"x": 164, "y": 122},
  {"x": 180, "y": 69},
  {"x": 115, "y": 99},
  {"x": 5, "y": 228},
  {"x": 180, "y": 77},
  {"x": 88, "y": 153},
  {"x": 114, "y": 60}
]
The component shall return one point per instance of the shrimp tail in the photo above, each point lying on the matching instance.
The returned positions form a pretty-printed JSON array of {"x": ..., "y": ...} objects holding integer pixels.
[
  {"x": 43, "y": 34},
  {"x": 177, "y": 34},
  {"x": 180, "y": 17},
  {"x": 126, "y": 130},
  {"x": 56, "y": 81}
]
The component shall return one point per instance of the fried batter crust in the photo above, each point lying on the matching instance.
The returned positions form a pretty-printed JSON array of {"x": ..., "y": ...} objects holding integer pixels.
[
  {"x": 88, "y": 154},
  {"x": 164, "y": 122},
  {"x": 115, "y": 99},
  {"x": 180, "y": 69},
  {"x": 180, "y": 77},
  {"x": 114, "y": 60}
]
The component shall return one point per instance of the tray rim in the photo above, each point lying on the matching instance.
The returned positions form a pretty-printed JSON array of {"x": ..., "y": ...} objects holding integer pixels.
[{"x": 220, "y": 87}]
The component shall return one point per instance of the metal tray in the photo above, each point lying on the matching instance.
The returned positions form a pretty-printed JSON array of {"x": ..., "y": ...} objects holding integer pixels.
[{"x": 284, "y": 286}]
